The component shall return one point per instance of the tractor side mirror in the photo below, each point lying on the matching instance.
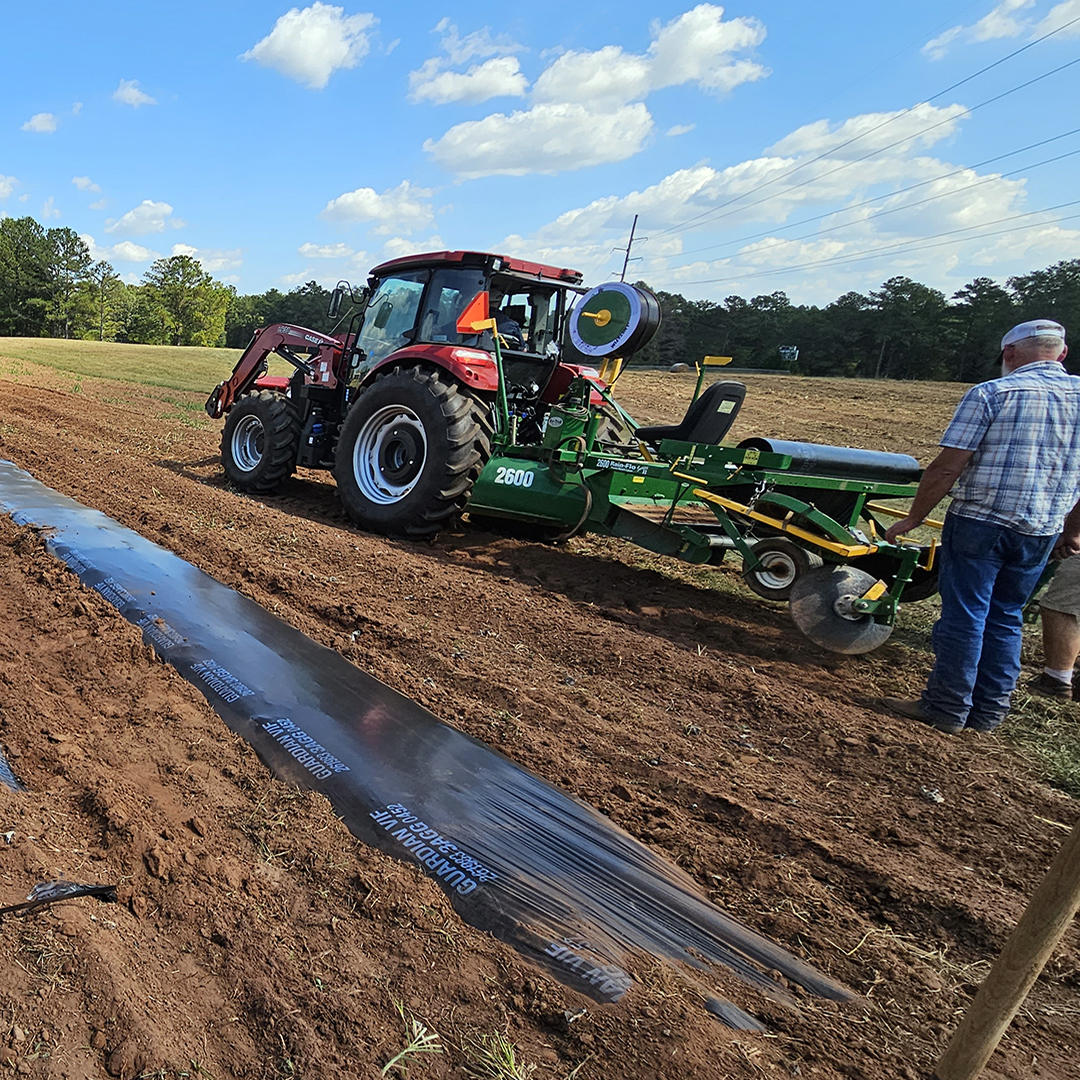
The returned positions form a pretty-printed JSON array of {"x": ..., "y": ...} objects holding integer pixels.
[
  {"x": 382, "y": 316},
  {"x": 335, "y": 303}
]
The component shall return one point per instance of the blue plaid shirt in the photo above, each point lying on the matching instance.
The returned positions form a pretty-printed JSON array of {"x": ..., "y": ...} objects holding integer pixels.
[{"x": 1025, "y": 431}]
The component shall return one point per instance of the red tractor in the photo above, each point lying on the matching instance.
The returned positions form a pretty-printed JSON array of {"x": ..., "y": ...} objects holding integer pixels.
[
  {"x": 403, "y": 407},
  {"x": 463, "y": 380}
]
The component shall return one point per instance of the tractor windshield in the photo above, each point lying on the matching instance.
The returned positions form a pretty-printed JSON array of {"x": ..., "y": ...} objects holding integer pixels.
[{"x": 391, "y": 313}]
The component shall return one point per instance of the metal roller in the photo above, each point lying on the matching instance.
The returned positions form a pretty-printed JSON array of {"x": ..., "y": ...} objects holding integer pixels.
[{"x": 843, "y": 461}]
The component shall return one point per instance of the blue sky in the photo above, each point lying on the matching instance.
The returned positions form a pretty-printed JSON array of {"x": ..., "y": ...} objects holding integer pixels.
[{"x": 281, "y": 145}]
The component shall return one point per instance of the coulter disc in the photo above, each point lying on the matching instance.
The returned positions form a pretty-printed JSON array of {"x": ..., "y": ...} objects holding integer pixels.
[{"x": 820, "y": 607}]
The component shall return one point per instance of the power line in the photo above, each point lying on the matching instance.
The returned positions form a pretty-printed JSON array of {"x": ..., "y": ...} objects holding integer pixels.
[
  {"x": 903, "y": 246},
  {"x": 683, "y": 226},
  {"x": 891, "y": 195},
  {"x": 873, "y": 153}
]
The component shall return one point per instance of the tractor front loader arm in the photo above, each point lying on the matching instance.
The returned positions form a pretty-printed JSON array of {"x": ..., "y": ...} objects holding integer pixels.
[{"x": 282, "y": 339}]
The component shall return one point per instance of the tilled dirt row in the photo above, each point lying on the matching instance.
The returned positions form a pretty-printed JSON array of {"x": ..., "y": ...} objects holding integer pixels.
[{"x": 255, "y": 937}]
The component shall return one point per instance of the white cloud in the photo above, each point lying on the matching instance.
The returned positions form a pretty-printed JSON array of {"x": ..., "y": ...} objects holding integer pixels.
[
  {"x": 99, "y": 205},
  {"x": 587, "y": 106},
  {"x": 48, "y": 209},
  {"x": 911, "y": 124},
  {"x": 42, "y": 122},
  {"x": 76, "y": 108},
  {"x": 128, "y": 251},
  {"x": 128, "y": 93},
  {"x": 398, "y": 246},
  {"x": 212, "y": 259},
  {"x": 744, "y": 219},
  {"x": 7, "y": 185},
  {"x": 605, "y": 77},
  {"x": 1058, "y": 16},
  {"x": 310, "y": 44},
  {"x": 680, "y": 129},
  {"x": 1000, "y": 22},
  {"x": 292, "y": 280},
  {"x": 460, "y": 50},
  {"x": 696, "y": 47},
  {"x": 84, "y": 183},
  {"x": 400, "y": 209},
  {"x": 147, "y": 217},
  {"x": 936, "y": 48},
  {"x": 325, "y": 251},
  {"x": 499, "y": 77},
  {"x": 125, "y": 251},
  {"x": 548, "y": 138},
  {"x": 25, "y": 197}
]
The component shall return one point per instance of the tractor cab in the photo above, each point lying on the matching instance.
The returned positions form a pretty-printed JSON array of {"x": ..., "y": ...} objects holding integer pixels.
[{"x": 415, "y": 305}]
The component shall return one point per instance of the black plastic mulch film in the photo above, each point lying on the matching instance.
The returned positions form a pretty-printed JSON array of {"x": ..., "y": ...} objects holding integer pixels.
[{"x": 517, "y": 857}]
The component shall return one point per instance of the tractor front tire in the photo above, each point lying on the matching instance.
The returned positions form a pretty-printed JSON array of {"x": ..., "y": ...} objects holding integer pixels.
[
  {"x": 259, "y": 442},
  {"x": 410, "y": 450}
]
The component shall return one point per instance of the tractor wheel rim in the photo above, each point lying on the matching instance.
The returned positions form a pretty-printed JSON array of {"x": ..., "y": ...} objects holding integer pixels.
[
  {"x": 389, "y": 455},
  {"x": 778, "y": 570},
  {"x": 247, "y": 443}
]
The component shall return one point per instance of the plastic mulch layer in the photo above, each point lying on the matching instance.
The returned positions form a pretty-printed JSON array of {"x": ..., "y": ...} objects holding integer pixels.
[{"x": 517, "y": 857}]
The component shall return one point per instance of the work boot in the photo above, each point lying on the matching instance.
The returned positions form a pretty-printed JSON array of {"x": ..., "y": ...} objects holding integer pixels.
[
  {"x": 1050, "y": 687},
  {"x": 911, "y": 709}
]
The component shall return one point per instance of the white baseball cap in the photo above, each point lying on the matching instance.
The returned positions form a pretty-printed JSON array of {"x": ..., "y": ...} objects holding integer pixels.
[{"x": 1036, "y": 328}]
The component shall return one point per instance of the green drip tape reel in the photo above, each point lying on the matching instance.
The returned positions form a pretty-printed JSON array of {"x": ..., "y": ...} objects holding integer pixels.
[{"x": 614, "y": 319}]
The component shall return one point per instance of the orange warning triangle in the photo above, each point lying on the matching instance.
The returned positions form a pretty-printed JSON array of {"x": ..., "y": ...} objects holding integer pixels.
[{"x": 476, "y": 311}]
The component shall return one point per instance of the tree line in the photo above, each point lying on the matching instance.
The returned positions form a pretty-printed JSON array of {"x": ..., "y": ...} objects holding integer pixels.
[
  {"x": 903, "y": 330},
  {"x": 50, "y": 286}
]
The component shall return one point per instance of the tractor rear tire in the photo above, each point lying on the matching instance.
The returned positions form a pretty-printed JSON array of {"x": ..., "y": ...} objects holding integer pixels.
[
  {"x": 410, "y": 450},
  {"x": 259, "y": 442},
  {"x": 784, "y": 562}
]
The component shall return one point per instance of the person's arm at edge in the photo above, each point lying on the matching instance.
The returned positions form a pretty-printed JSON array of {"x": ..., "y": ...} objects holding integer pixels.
[
  {"x": 937, "y": 480},
  {"x": 1068, "y": 543}
]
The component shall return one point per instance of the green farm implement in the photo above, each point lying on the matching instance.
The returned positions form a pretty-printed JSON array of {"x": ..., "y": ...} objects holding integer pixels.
[{"x": 465, "y": 382}]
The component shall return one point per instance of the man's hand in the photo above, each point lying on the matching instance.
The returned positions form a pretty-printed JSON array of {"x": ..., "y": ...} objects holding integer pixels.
[
  {"x": 903, "y": 526},
  {"x": 938, "y": 477},
  {"x": 1068, "y": 543}
]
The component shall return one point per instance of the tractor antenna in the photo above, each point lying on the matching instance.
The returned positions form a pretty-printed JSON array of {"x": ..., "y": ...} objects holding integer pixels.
[{"x": 629, "y": 246}]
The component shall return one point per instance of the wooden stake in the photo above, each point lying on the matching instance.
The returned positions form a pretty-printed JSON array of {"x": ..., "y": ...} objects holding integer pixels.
[{"x": 1041, "y": 927}]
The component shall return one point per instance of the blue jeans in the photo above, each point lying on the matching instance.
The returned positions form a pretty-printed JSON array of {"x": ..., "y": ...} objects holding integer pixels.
[{"x": 987, "y": 573}]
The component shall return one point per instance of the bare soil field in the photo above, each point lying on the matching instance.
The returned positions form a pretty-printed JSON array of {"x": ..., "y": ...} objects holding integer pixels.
[{"x": 254, "y": 937}]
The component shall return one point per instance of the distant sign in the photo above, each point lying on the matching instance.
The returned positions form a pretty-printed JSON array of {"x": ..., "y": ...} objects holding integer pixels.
[{"x": 789, "y": 353}]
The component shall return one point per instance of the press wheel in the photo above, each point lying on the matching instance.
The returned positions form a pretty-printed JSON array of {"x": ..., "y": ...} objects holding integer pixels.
[{"x": 821, "y": 608}]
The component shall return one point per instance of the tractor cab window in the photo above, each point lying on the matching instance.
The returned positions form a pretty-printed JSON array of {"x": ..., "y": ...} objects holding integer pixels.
[
  {"x": 449, "y": 295},
  {"x": 524, "y": 313},
  {"x": 391, "y": 314}
]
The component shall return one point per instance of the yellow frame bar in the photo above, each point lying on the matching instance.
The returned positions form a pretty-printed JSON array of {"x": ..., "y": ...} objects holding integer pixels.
[
  {"x": 849, "y": 551},
  {"x": 891, "y": 511}
]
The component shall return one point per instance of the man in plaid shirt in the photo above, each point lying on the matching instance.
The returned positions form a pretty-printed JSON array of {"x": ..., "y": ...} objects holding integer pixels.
[{"x": 1011, "y": 459}]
